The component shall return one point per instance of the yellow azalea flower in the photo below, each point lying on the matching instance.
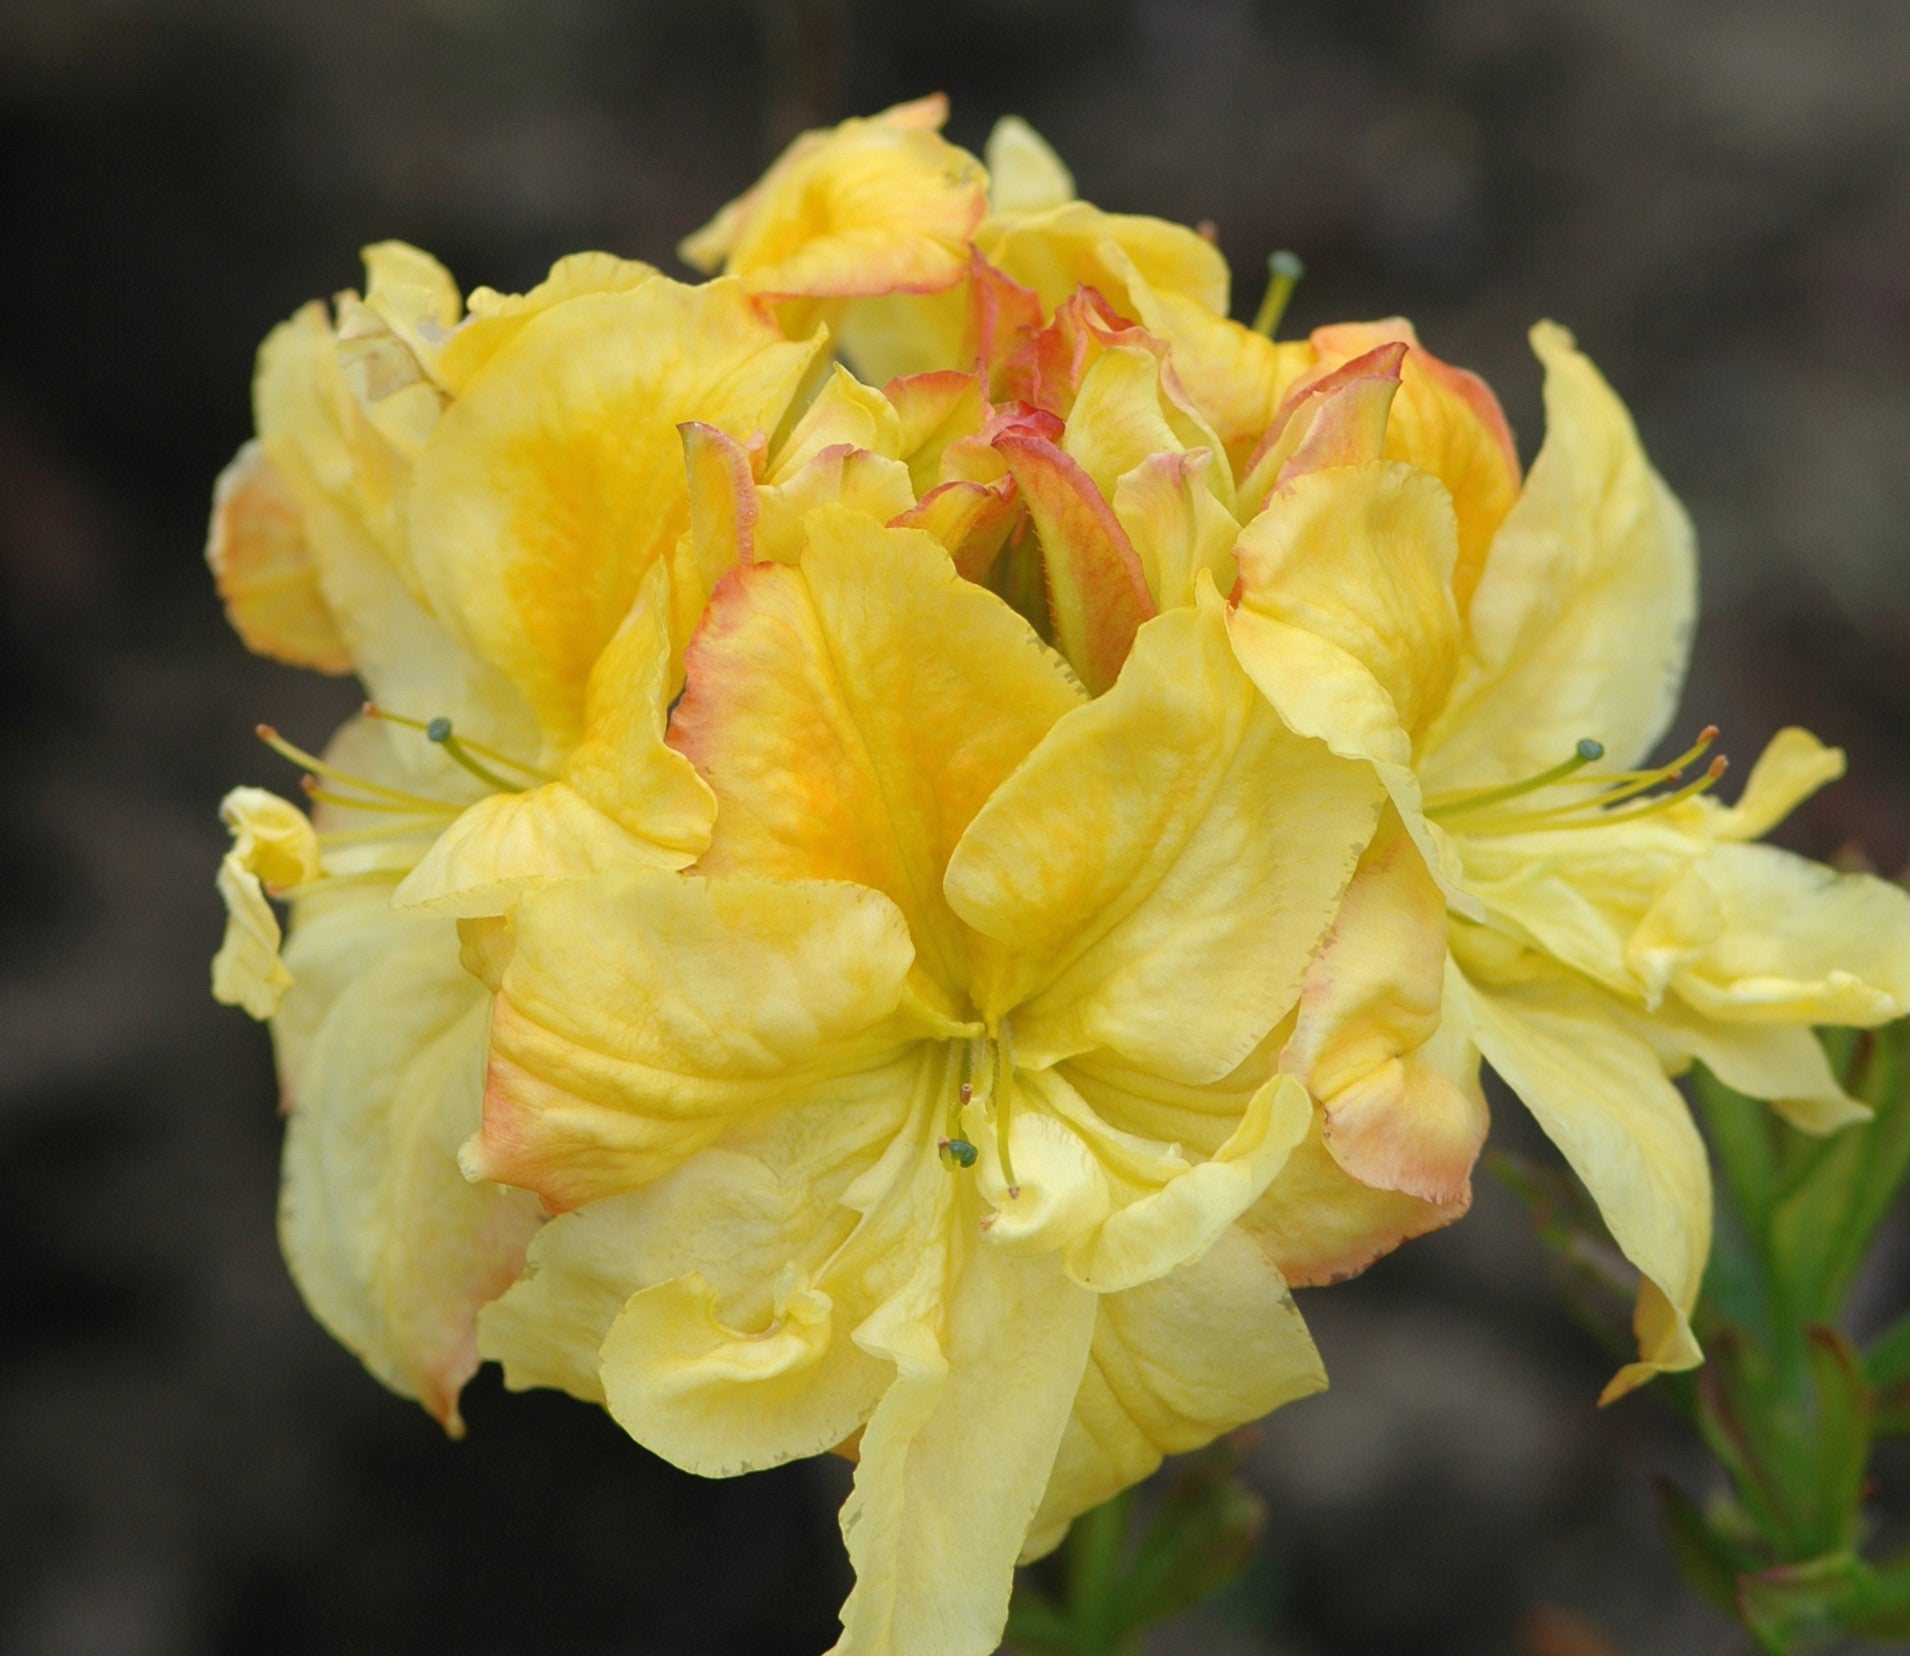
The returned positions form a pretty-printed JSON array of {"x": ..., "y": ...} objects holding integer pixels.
[
  {"x": 920, "y": 1115},
  {"x": 1607, "y": 925},
  {"x": 477, "y": 516}
]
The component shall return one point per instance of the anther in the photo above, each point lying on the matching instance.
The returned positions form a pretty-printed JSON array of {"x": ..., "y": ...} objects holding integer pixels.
[
  {"x": 1284, "y": 271},
  {"x": 959, "y": 1151}
]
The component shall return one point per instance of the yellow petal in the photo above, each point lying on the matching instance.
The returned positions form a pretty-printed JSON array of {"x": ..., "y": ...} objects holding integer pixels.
[
  {"x": 264, "y": 570},
  {"x": 1317, "y": 1224},
  {"x": 1346, "y": 624},
  {"x": 1075, "y": 245},
  {"x": 972, "y": 520},
  {"x": 1159, "y": 870},
  {"x": 718, "y": 1400},
  {"x": 642, "y": 1010},
  {"x": 1600, "y": 1093},
  {"x": 346, "y": 482},
  {"x": 1371, "y": 1002},
  {"x": 1784, "y": 1064},
  {"x": 1162, "y": 1231},
  {"x": 846, "y": 1177},
  {"x": 381, "y": 1047},
  {"x": 1749, "y": 933},
  {"x": 623, "y": 796},
  {"x": 1024, "y": 174},
  {"x": 273, "y": 844},
  {"x": 882, "y": 205},
  {"x": 1173, "y": 1365},
  {"x": 497, "y": 318},
  {"x": 852, "y": 714},
  {"x": 954, "y": 1461},
  {"x": 1581, "y": 622},
  {"x": 845, "y": 411},
  {"x": 556, "y": 481},
  {"x": 932, "y": 411},
  {"x": 1337, "y": 420},
  {"x": 1792, "y": 767},
  {"x": 1362, "y": 556},
  {"x": 1447, "y": 422},
  {"x": 840, "y": 476},
  {"x": 1125, "y": 412},
  {"x": 1097, "y": 590},
  {"x": 1177, "y": 526},
  {"x": 724, "y": 511}
]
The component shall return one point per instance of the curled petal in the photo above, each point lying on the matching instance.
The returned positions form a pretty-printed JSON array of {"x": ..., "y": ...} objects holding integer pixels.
[
  {"x": 1338, "y": 420},
  {"x": 273, "y": 846},
  {"x": 1097, "y": 592},
  {"x": 264, "y": 569},
  {"x": 1447, "y": 422},
  {"x": 876, "y": 206},
  {"x": 1178, "y": 527},
  {"x": 1318, "y": 1225},
  {"x": 1750, "y": 933}
]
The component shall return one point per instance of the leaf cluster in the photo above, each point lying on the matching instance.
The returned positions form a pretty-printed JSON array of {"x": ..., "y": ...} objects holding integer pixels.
[{"x": 1789, "y": 1404}]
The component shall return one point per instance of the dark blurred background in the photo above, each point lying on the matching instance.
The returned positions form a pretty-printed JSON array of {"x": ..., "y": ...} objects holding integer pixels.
[{"x": 1715, "y": 194}]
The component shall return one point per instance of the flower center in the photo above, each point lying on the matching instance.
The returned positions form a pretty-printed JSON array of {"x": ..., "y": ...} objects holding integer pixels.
[
  {"x": 989, "y": 1063},
  {"x": 1480, "y": 811}
]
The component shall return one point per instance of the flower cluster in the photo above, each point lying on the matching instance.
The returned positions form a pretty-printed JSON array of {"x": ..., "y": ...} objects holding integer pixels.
[{"x": 941, "y": 824}]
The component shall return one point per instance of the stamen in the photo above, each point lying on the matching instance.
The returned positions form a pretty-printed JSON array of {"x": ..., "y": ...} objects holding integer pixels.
[
  {"x": 1455, "y": 804},
  {"x": 298, "y": 756},
  {"x": 1640, "y": 781},
  {"x": 331, "y": 882},
  {"x": 376, "y": 836},
  {"x": 1597, "y": 812},
  {"x": 1004, "y": 1101},
  {"x": 1284, "y": 271},
  {"x": 956, "y": 1150},
  {"x": 323, "y": 796},
  {"x": 374, "y": 711}
]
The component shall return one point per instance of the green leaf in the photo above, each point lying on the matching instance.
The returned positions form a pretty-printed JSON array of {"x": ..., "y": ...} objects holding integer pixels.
[
  {"x": 1201, "y": 1537},
  {"x": 1708, "y": 1556},
  {"x": 1796, "y": 1606},
  {"x": 1842, "y": 1187},
  {"x": 1795, "y": 1438},
  {"x": 1887, "y": 1362}
]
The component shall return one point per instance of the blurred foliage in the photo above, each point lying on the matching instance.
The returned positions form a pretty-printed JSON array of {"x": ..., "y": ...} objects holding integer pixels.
[
  {"x": 1788, "y": 1403},
  {"x": 1124, "y": 1570}
]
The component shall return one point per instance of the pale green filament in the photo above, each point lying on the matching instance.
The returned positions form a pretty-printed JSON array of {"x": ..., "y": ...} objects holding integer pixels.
[
  {"x": 1284, "y": 271},
  {"x": 1449, "y": 805},
  {"x": 414, "y": 804},
  {"x": 461, "y": 748},
  {"x": 1594, "y": 811}
]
